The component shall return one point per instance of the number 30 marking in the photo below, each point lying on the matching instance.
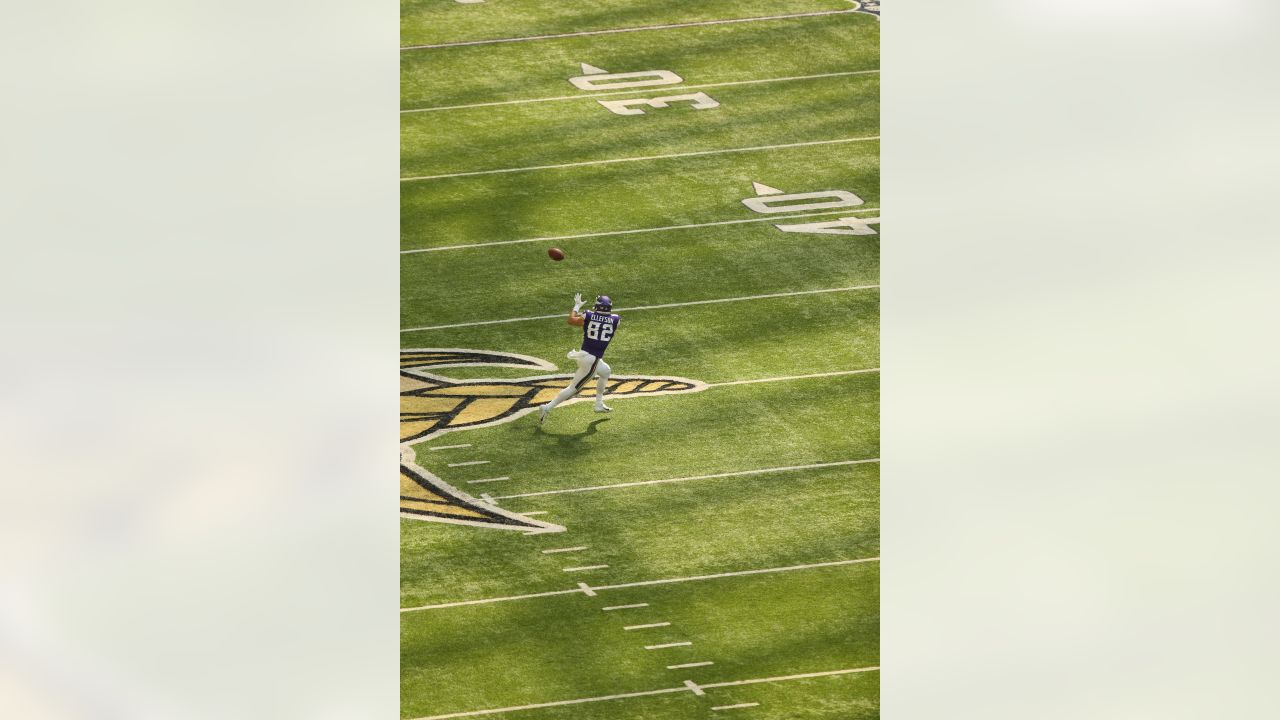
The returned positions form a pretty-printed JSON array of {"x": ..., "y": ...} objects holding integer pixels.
[{"x": 701, "y": 101}]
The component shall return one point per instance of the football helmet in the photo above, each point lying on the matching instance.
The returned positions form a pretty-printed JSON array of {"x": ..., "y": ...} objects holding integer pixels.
[{"x": 603, "y": 303}]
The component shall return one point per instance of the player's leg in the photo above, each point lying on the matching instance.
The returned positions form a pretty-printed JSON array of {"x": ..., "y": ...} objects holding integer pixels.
[
  {"x": 585, "y": 364},
  {"x": 602, "y": 374}
]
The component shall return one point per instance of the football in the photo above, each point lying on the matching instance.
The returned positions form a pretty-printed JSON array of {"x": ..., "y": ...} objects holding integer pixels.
[{"x": 556, "y": 254}]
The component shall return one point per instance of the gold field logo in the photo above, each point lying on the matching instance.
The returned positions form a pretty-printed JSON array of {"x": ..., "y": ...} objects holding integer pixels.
[{"x": 432, "y": 405}]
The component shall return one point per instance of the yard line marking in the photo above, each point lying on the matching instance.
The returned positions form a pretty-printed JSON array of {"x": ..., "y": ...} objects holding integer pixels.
[
  {"x": 772, "y": 219},
  {"x": 564, "y": 550},
  {"x": 487, "y": 480},
  {"x": 638, "y": 159},
  {"x": 795, "y": 377},
  {"x": 732, "y": 707},
  {"x": 561, "y": 316},
  {"x": 689, "y": 665},
  {"x": 487, "y": 498},
  {"x": 639, "y": 28},
  {"x": 694, "y": 687},
  {"x": 625, "y": 607},
  {"x": 667, "y": 645},
  {"x": 737, "y": 573},
  {"x": 665, "y": 581},
  {"x": 535, "y": 512},
  {"x": 739, "y": 473},
  {"x": 645, "y": 693},
  {"x": 491, "y": 600},
  {"x": 470, "y": 462},
  {"x": 449, "y": 447},
  {"x": 650, "y": 625},
  {"x": 586, "y": 589},
  {"x": 585, "y": 567},
  {"x": 802, "y": 676},
  {"x": 638, "y": 90}
]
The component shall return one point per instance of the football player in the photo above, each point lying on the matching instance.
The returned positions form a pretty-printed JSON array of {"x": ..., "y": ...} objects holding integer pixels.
[{"x": 599, "y": 325}]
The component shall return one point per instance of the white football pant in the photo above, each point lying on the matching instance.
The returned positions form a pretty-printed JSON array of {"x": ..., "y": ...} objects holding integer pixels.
[{"x": 588, "y": 365}]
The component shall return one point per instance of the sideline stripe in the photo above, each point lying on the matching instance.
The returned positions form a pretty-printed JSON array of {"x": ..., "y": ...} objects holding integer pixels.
[
  {"x": 637, "y": 90},
  {"x": 794, "y": 377},
  {"x": 664, "y": 581},
  {"x": 851, "y": 288},
  {"x": 625, "y": 30},
  {"x": 643, "y": 157},
  {"x": 643, "y": 693},
  {"x": 773, "y": 219},
  {"x": 696, "y": 477}
]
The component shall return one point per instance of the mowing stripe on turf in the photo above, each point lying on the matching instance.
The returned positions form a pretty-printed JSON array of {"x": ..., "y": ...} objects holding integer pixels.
[
  {"x": 794, "y": 377},
  {"x": 641, "y": 158},
  {"x": 644, "y": 693},
  {"x": 612, "y": 31},
  {"x": 642, "y": 91},
  {"x": 582, "y": 588},
  {"x": 560, "y": 316},
  {"x": 776, "y": 218},
  {"x": 694, "y": 477}
]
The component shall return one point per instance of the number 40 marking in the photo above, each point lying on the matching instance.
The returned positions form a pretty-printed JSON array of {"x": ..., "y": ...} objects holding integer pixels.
[{"x": 771, "y": 200}]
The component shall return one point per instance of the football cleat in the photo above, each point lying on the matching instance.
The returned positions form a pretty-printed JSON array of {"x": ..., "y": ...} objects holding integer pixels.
[
  {"x": 542, "y": 414},
  {"x": 603, "y": 408}
]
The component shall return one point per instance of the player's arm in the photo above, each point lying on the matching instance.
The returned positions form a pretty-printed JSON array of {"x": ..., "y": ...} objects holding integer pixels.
[{"x": 574, "y": 318}]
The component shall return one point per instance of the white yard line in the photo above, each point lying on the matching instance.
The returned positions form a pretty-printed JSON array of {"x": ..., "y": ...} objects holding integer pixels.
[
  {"x": 641, "y": 158},
  {"x": 773, "y": 219},
  {"x": 741, "y": 298},
  {"x": 734, "y": 707},
  {"x": 585, "y": 567},
  {"x": 739, "y": 473},
  {"x": 694, "y": 687},
  {"x": 449, "y": 447},
  {"x": 612, "y": 31},
  {"x": 689, "y": 665},
  {"x": 738, "y": 573},
  {"x": 664, "y": 646},
  {"x": 580, "y": 96},
  {"x": 625, "y": 607},
  {"x": 564, "y": 550},
  {"x": 472, "y": 462},
  {"x": 802, "y": 676},
  {"x": 487, "y": 480},
  {"x": 646, "y": 626},
  {"x": 645, "y": 693},
  {"x": 664, "y": 581},
  {"x": 535, "y": 512},
  {"x": 794, "y": 377}
]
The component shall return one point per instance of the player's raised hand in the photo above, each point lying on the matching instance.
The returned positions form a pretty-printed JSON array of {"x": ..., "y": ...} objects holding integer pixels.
[{"x": 578, "y": 302}]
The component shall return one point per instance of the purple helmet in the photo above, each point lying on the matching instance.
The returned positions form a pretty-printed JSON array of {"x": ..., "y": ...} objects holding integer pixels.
[{"x": 604, "y": 303}]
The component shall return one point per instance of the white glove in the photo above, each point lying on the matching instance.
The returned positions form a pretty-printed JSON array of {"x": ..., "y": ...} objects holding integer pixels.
[{"x": 578, "y": 302}]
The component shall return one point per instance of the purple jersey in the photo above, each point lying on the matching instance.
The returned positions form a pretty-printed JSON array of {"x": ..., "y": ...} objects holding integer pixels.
[{"x": 597, "y": 330}]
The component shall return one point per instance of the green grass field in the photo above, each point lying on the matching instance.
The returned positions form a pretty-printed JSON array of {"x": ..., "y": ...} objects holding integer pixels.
[{"x": 720, "y": 546}]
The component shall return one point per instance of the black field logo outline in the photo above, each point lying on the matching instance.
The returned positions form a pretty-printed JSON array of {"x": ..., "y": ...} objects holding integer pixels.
[
  {"x": 432, "y": 404},
  {"x": 870, "y": 7}
]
